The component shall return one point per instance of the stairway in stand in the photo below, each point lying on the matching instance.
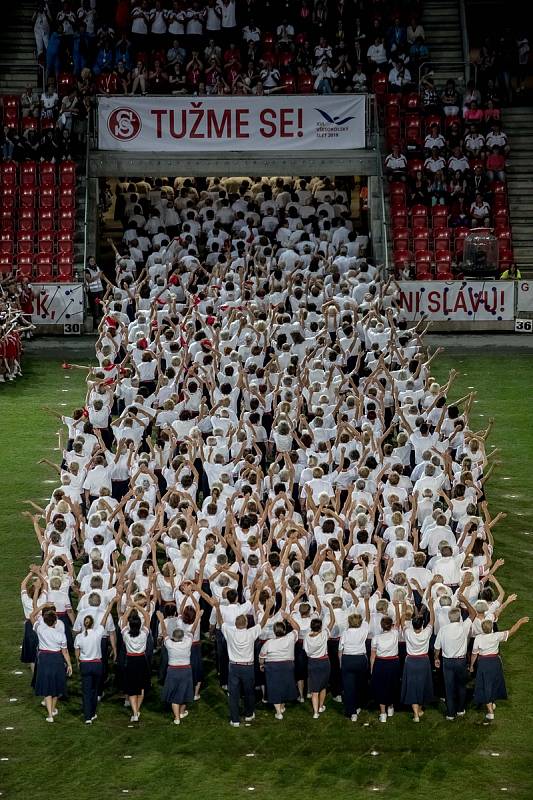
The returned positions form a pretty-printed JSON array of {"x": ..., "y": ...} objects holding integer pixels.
[
  {"x": 518, "y": 125},
  {"x": 18, "y": 62},
  {"x": 442, "y": 26}
]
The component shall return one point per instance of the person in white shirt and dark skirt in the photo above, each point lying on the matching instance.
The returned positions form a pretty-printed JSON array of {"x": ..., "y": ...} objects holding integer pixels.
[
  {"x": 276, "y": 657},
  {"x": 53, "y": 659},
  {"x": 385, "y": 667},
  {"x": 417, "y": 680},
  {"x": 178, "y": 689},
  {"x": 88, "y": 649},
  {"x": 490, "y": 681},
  {"x": 135, "y": 626},
  {"x": 318, "y": 666}
]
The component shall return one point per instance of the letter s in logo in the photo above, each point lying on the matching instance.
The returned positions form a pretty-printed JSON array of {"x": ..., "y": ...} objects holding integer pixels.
[{"x": 124, "y": 124}]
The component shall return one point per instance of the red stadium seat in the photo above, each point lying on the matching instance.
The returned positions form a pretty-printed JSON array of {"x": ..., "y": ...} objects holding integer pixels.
[
  {"x": 305, "y": 83},
  {"x": 66, "y": 221},
  {"x": 401, "y": 238},
  {"x": 420, "y": 242},
  {"x": 46, "y": 220},
  {"x": 414, "y": 165},
  {"x": 432, "y": 119},
  {"x": 289, "y": 84},
  {"x": 67, "y": 173},
  {"x": 27, "y": 197},
  {"x": 25, "y": 241},
  {"x": 506, "y": 259},
  {"x": 47, "y": 173},
  {"x": 379, "y": 84},
  {"x": 66, "y": 83},
  {"x": 402, "y": 259},
  {"x": 442, "y": 239},
  {"x": 65, "y": 244},
  {"x": 28, "y": 173},
  {"x": 399, "y": 218},
  {"x": 25, "y": 266},
  {"x": 8, "y": 174},
  {"x": 46, "y": 242},
  {"x": 6, "y": 264},
  {"x": 26, "y": 219},
  {"x": 65, "y": 268},
  {"x": 412, "y": 101},
  {"x": 47, "y": 197},
  {"x": 67, "y": 197}
]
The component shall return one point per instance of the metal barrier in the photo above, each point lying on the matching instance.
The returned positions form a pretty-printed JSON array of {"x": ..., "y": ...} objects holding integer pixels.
[{"x": 465, "y": 64}]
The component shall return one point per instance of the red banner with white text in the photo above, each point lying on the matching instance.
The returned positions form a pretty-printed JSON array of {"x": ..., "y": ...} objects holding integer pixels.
[{"x": 222, "y": 124}]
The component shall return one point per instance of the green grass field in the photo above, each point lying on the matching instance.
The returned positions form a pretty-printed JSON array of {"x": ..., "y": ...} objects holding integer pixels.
[{"x": 300, "y": 757}]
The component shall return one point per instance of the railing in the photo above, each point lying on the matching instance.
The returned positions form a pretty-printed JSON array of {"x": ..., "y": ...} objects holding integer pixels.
[
  {"x": 377, "y": 146},
  {"x": 90, "y": 128},
  {"x": 465, "y": 64},
  {"x": 465, "y": 43}
]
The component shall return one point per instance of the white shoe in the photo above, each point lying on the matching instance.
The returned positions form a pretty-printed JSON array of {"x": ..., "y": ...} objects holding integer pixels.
[
  {"x": 88, "y": 722},
  {"x": 95, "y": 717},
  {"x": 278, "y": 716},
  {"x": 301, "y": 700},
  {"x": 196, "y": 696},
  {"x": 321, "y": 709},
  {"x": 353, "y": 718},
  {"x": 383, "y": 718},
  {"x": 176, "y": 721},
  {"x": 461, "y": 713},
  {"x": 184, "y": 714},
  {"x": 450, "y": 719},
  {"x": 127, "y": 704},
  {"x": 489, "y": 716},
  {"x": 308, "y": 696},
  {"x": 249, "y": 719},
  {"x": 134, "y": 718},
  {"x": 43, "y": 702},
  {"x": 235, "y": 724},
  {"x": 316, "y": 716},
  {"x": 390, "y": 711},
  {"x": 337, "y": 698},
  {"x": 49, "y": 719},
  {"x": 416, "y": 719}
]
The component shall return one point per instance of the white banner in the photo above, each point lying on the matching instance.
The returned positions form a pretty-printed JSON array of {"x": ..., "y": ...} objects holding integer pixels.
[
  {"x": 221, "y": 124},
  {"x": 57, "y": 303},
  {"x": 465, "y": 301},
  {"x": 524, "y": 299}
]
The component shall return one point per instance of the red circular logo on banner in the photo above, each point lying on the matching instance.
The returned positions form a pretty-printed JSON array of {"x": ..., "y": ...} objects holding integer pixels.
[{"x": 124, "y": 124}]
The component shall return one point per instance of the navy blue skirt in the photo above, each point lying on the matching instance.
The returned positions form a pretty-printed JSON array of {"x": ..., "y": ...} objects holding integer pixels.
[
  {"x": 280, "y": 682},
  {"x": 318, "y": 670},
  {"x": 300, "y": 661},
  {"x": 30, "y": 643},
  {"x": 417, "y": 681},
  {"x": 196, "y": 663},
  {"x": 50, "y": 675},
  {"x": 136, "y": 678},
  {"x": 490, "y": 681},
  {"x": 386, "y": 681},
  {"x": 178, "y": 686}
]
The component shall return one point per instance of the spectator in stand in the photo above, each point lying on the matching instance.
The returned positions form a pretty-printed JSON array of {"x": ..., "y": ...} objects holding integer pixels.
[
  {"x": 324, "y": 75},
  {"x": 434, "y": 139},
  {"x": 399, "y": 77},
  {"x": 139, "y": 77},
  {"x": 377, "y": 54},
  {"x": 53, "y": 52},
  {"x": 480, "y": 212},
  {"x": 435, "y": 163},
  {"x": 458, "y": 162},
  {"x": 29, "y": 103},
  {"x": 396, "y": 165},
  {"x": 450, "y": 99},
  {"x": 522, "y": 57},
  {"x": 140, "y": 20},
  {"x": 497, "y": 137},
  {"x": 42, "y": 22},
  {"x": 415, "y": 31},
  {"x": 473, "y": 113},
  {"x": 496, "y": 164},
  {"x": 474, "y": 143}
]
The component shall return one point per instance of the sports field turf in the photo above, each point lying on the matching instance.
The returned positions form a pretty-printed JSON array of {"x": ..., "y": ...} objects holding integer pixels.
[{"x": 299, "y": 757}]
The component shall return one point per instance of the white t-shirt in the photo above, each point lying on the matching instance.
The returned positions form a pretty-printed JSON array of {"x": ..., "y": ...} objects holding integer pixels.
[
  {"x": 90, "y": 643},
  {"x": 280, "y": 648},
  {"x": 488, "y": 644},
  {"x": 240, "y": 642},
  {"x": 353, "y": 641}
]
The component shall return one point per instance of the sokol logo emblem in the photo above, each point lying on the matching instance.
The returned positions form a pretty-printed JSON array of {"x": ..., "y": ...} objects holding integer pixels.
[{"x": 124, "y": 124}]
